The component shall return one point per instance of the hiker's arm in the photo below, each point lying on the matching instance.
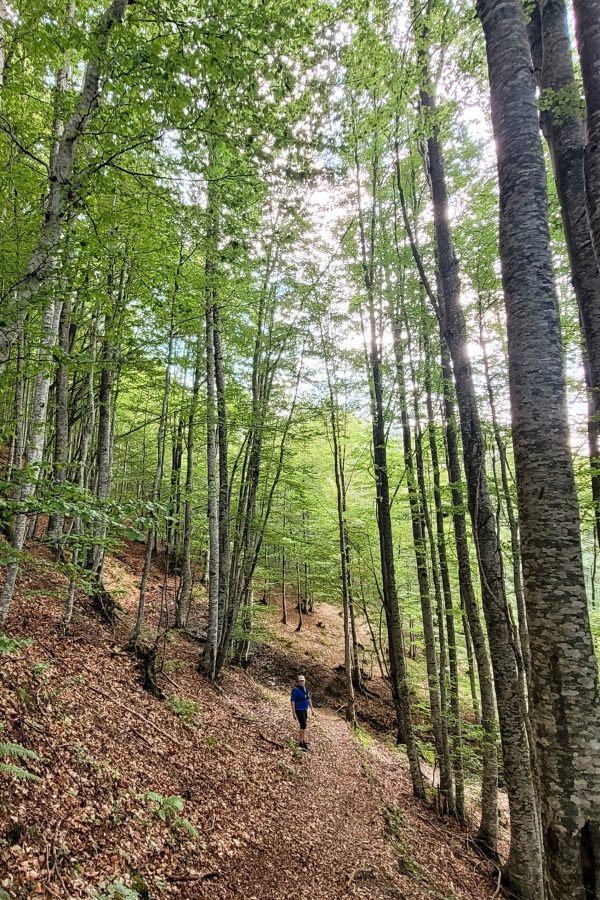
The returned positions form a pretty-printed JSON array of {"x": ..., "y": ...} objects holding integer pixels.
[{"x": 293, "y": 709}]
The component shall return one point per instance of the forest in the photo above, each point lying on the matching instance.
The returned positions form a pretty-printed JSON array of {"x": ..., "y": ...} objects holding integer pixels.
[{"x": 300, "y": 306}]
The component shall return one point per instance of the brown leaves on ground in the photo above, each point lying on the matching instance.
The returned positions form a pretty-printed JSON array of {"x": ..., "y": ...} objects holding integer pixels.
[{"x": 240, "y": 811}]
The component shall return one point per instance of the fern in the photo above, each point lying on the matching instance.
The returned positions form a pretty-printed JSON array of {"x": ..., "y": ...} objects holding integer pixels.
[{"x": 9, "y": 750}]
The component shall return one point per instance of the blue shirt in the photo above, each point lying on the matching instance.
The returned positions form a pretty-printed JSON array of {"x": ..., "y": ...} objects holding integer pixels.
[{"x": 300, "y": 699}]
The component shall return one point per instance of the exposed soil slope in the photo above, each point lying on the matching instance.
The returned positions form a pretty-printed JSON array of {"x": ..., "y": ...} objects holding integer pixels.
[{"x": 269, "y": 821}]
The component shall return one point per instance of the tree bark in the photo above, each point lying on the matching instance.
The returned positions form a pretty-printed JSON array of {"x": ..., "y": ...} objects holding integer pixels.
[
  {"x": 34, "y": 448},
  {"x": 564, "y": 696},
  {"x": 224, "y": 553},
  {"x": 524, "y": 867},
  {"x": 397, "y": 663},
  {"x": 416, "y": 498},
  {"x": 156, "y": 483},
  {"x": 340, "y": 487},
  {"x": 60, "y": 182},
  {"x": 209, "y": 657},
  {"x": 563, "y": 128},
  {"x": 61, "y": 422},
  {"x": 455, "y": 721},
  {"x": 587, "y": 29},
  {"x": 185, "y": 592},
  {"x": 487, "y": 834},
  {"x": 510, "y": 513}
]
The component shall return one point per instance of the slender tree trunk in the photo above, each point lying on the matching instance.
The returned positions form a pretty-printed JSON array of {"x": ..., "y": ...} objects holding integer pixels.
[
  {"x": 416, "y": 498},
  {"x": 357, "y": 678},
  {"x": 223, "y": 475},
  {"x": 510, "y": 513},
  {"x": 298, "y": 597},
  {"x": 18, "y": 445},
  {"x": 173, "y": 549},
  {"x": 470, "y": 665},
  {"x": 564, "y": 697},
  {"x": 34, "y": 448},
  {"x": 209, "y": 658},
  {"x": 185, "y": 593},
  {"x": 110, "y": 365},
  {"x": 60, "y": 182},
  {"x": 487, "y": 834},
  {"x": 283, "y": 571},
  {"x": 62, "y": 438},
  {"x": 454, "y": 727},
  {"x": 397, "y": 664},
  {"x": 340, "y": 487},
  {"x": 156, "y": 486},
  {"x": 87, "y": 431},
  {"x": 4, "y": 18}
]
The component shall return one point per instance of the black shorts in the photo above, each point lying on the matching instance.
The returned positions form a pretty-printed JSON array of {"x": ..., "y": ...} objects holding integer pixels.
[{"x": 302, "y": 716}]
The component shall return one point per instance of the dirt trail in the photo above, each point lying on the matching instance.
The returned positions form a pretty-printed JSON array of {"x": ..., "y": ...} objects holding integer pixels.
[
  {"x": 271, "y": 822},
  {"x": 346, "y": 825}
]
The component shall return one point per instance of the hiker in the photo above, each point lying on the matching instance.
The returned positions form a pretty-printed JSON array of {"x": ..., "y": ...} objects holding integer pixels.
[{"x": 301, "y": 703}]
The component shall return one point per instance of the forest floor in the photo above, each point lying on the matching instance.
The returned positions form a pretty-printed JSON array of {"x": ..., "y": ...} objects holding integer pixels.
[{"x": 256, "y": 818}]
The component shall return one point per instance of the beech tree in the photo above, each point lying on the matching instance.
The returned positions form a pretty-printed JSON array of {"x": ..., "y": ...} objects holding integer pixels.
[{"x": 564, "y": 696}]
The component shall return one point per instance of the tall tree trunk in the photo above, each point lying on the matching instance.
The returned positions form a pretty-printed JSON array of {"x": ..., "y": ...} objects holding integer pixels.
[
  {"x": 173, "y": 548},
  {"x": 487, "y": 834},
  {"x": 209, "y": 657},
  {"x": 151, "y": 534},
  {"x": 18, "y": 443},
  {"x": 564, "y": 697},
  {"x": 4, "y": 18},
  {"x": 397, "y": 664},
  {"x": 223, "y": 476},
  {"x": 34, "y": 448},
  {"x": 587, "y": 29},
  {"x": 415, "y": 496},
  {"x": 470, "y": 664},
  {"x": 87, "y": 431},
  {"x": 185, "y": 592},
  {"x": 340, "y": 488},
  {"x": 298, "y": 597},
  {"x": 61, "y": 421},
  {"x": 510, "y": 513},
  {"x": 524, "y": 867},
  {"x": 563, "y": 128},
  {"x": 283, "y": 569},
  {"x": 60, "y": 181},
  {"x": 110, "y": 365},
  {"x": 454, "y": 727}
]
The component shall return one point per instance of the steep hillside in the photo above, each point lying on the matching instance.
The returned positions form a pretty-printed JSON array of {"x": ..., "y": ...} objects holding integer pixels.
[{"x": 203, "y": 794}]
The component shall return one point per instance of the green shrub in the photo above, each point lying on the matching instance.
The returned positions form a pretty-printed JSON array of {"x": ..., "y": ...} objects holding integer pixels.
[
  {"x": 168, "y": 809},
  {"x": 114, "y": 890},
  {"x": 11, "y": 645},
  {"x": 186, "y": 710}
]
